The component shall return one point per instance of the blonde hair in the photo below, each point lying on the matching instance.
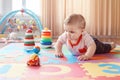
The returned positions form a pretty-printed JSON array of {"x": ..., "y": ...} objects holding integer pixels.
[{"x": 75, "y": 19}]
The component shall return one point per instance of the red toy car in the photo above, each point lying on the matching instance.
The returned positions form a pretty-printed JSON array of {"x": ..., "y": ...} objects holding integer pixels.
[{"x": 34, "y": 60}]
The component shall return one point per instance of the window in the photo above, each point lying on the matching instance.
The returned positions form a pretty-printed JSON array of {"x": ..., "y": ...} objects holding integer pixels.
[
  {"x": 33, "y": 5},
  {"x": 16, "y": 4},
  {"x": 0, "y": 7}
]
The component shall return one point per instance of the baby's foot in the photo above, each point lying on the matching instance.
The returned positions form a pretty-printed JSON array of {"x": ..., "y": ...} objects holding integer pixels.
[{"x": 113, "y": 45}]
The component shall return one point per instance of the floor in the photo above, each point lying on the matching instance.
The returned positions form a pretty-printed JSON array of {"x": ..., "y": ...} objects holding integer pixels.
[
  {"x": 2, "y": 45},
  {"x": 13, "y": 66}
]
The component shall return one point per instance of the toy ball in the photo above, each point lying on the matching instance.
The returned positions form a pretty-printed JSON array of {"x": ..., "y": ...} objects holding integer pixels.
[{"x": 36, "y": 49}]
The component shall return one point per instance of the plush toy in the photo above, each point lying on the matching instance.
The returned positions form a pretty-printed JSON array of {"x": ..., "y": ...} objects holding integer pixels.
[{"x": 34, "y": 60}]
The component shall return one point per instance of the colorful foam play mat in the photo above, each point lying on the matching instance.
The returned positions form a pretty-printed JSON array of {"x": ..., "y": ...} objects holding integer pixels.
[{"x": 13, "y": 65}]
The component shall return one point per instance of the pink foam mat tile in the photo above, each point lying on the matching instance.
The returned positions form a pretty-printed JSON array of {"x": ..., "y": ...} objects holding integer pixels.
[{"x": 55, "y": 70}]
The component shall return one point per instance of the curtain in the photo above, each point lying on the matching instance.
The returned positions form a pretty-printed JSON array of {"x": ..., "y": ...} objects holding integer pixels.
[
  {"x": 102, "y": 16},
  {"x": 53, "y": 15}
]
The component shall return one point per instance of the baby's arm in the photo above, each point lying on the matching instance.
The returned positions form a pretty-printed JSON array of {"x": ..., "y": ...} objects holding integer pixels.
[
  {"x": 58, "y": 49},
  {"x": 58, "y": 46},
  {"x": 90, "y": 52}
]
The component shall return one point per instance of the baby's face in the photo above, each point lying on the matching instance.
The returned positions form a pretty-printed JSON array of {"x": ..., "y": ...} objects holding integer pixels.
[{"x": 73, "y": 32}]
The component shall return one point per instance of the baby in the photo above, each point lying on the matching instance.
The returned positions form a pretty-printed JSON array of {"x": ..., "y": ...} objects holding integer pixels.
[{"x": 78, "y": 41}]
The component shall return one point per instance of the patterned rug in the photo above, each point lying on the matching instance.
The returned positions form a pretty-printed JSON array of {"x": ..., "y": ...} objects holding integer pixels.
[{"x": 13, "y": 65}]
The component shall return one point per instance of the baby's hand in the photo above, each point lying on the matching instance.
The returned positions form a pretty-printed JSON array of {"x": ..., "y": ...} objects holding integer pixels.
[
  {"x": 59, "y": 54},
  {"x": 83, "y": 57}
]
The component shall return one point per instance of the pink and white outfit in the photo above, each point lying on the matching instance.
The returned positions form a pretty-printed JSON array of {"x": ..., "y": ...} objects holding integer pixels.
[{"x": 80, "y": 46}]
